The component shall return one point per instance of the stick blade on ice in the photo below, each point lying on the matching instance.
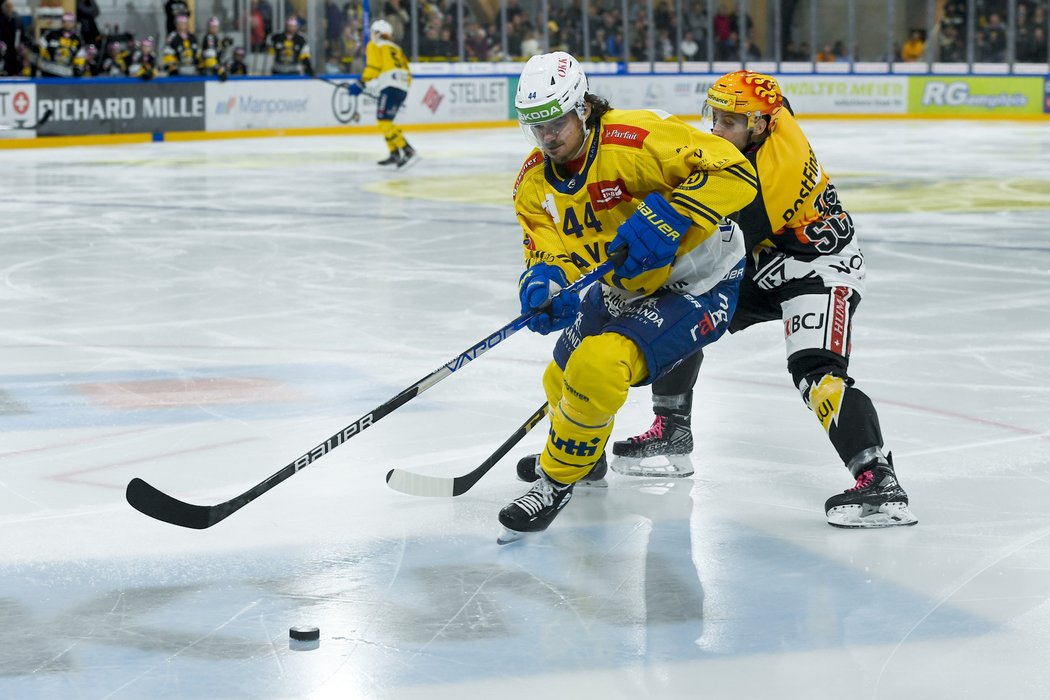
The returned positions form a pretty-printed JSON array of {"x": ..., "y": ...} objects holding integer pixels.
[
  {"x": 420, "y": 484},
  {"x": 158, "y": 505}
]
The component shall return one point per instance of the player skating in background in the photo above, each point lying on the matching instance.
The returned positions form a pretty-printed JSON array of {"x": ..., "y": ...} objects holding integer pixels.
[
  {"x": 805, "y": 270},
  {"x": 601, "y": 179},
  {"x": 387, "y": 74}
]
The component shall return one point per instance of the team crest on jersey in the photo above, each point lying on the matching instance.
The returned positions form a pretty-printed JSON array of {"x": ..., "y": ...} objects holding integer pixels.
[
  {"x": 534, "y": 160},
  {"x": 606, "y": 194},
  {"x": 623, "y": 135},
  {"x": 551, "y": 207}
]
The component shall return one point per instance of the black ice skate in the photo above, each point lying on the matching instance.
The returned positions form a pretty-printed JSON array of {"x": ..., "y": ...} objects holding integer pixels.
[
  {"x": 876, "y": 500},
  {"x": 663, "y": 450},
  {"x": 529, "y": 471},
  {"x": 534, "y": 511},
  {"x": 408, "y": 158},
  {"x": 393, "y": 159}
]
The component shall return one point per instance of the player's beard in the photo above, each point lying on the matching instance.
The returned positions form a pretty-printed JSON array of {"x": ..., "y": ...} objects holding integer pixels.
[{"x": 572, "y": 156}]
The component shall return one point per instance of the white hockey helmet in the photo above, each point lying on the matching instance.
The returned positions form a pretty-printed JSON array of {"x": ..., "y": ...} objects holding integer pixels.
[
  {"x": 382, "y": 28},
  {"x": 551, "y": 86}
]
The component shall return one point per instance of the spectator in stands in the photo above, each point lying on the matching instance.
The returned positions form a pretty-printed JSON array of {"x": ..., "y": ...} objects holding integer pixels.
[
  {"x": 952, "y": 48},
  {"x": 530, "y": 45},
  {"x": 475, "y": 43},
  {"x": 429, "y": 43},
  {"x": 137, "y": 23},
  {"x": 172, "y": 9},
  {"x": 914, "y": 48},
  {"x": 258, "y": 27},
  {"x": 689, "y": 48},
  {"x": 1035, "y": 48},
  {"x": 11, "y": 39},
  {"x": 665, "y": 50},
  {"x": 334, "y": 22},
  {"x": 722, "y": 26},
  {"x": 399, "y": 19},
  {"x": 994, "y": 38},
  {"x": 87, "y": 12},
  {"x": 826, "y": 55}
]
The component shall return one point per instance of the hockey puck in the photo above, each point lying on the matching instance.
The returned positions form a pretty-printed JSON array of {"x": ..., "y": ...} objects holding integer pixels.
[{"x": 304, "y": 634}]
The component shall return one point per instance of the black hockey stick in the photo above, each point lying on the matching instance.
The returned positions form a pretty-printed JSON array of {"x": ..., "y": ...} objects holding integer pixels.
[
  {"x": 422, "y": 485},
  {"x": 155, "y": 503},
  {"x": 19, "y": 126}
]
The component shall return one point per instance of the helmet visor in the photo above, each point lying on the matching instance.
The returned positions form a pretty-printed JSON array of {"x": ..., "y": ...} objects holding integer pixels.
[{"x": 551, "y": 132}]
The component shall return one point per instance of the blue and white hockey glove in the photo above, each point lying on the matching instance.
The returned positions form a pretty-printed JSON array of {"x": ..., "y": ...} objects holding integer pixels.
[
  {"x": 652, "y": 235},
  {"x": 540, "y": 284},
  {"x": 356, "y": 88}
]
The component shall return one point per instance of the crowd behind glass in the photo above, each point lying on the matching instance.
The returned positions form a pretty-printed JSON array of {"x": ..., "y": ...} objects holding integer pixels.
[{"x": 656, "y": 31}]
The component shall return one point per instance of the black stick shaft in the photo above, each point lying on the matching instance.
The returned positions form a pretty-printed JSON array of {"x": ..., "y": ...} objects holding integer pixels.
[
  {"x": 156, "y": 504},
  {"x": 424, "y": 485}
]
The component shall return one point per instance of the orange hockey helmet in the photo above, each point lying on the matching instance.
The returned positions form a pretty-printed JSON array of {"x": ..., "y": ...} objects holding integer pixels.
[{"x": 749, "y": 93}]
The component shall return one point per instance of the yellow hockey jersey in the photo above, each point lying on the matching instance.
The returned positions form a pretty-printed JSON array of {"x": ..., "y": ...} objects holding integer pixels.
[
  {"x": 386, "y": 66},
  {"x": 570, "y": 221}
]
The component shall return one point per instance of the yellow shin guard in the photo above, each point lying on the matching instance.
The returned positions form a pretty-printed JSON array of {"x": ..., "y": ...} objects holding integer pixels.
[{"x": 395, "y": 138}]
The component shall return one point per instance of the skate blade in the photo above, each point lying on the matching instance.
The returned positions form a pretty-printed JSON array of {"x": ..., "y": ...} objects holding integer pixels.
[
  {"x": 598, "y": 484},
  {"x": 508, "y": 536},
  {"x": 674, "y": 466},
  {"x": 408, "y": 164},
  {"x": 858, "y": 516}
]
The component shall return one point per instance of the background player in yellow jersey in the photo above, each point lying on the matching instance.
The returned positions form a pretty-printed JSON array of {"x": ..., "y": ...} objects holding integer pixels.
[
  {"x": 387, "y": 73},
  {"x": 601, "y": 179},
  {"x": 805, "y": 270}
]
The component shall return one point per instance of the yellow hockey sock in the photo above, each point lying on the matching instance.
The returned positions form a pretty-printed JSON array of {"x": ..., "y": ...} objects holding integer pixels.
[{"x": 584, "y": 400}]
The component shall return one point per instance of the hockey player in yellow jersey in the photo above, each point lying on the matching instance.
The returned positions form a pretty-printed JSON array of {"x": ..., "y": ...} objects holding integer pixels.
[
  {"x": 601, "y": 179},
  {"x": 805, "y": 270},
  {"x": 388, "y": 75}
]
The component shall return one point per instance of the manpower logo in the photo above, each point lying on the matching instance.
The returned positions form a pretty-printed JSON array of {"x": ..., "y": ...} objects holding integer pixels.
[
  {"x": 975, "y": 95},
  {"x": 248, "y": 104}
]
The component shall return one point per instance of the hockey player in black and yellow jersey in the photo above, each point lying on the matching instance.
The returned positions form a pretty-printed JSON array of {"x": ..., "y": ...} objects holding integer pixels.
[
  {"x": 210, "y": 58},
  {"x": 387, "y": 73},
  {"x": 289, "y": 51},
  {"x": 181, "y": 49},
  {"x": 62, "y": 51},
  {"x": 601, "y": 179},
  {"x": 805, "y": 270}
]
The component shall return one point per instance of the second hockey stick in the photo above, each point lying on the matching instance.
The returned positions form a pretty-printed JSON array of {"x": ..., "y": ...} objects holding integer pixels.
[
  {"x": 19, "y": 126},
  {"x": 441, "y": 486},
  {"x": 153, "y": 502}
]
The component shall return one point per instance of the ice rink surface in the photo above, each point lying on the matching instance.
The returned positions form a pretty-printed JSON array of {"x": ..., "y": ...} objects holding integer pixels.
[{"x": 201, "y": 314}]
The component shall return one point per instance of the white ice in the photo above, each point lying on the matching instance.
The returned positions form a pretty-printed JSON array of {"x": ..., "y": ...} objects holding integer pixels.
[{"x": 201, "y": 314}]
